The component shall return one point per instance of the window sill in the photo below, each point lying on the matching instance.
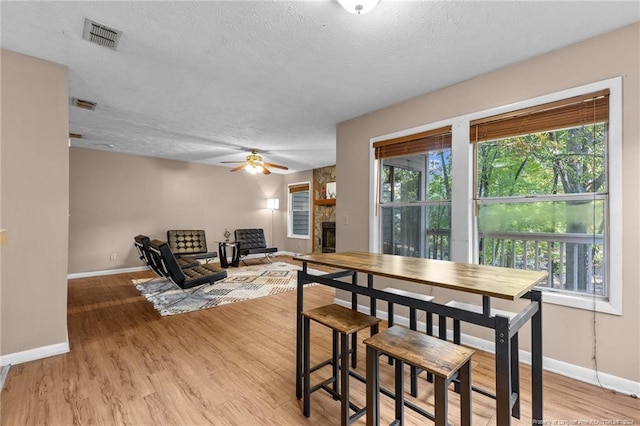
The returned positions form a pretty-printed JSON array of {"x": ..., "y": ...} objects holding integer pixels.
[
  {"x": 299, "y": 237},
  {"x": 581, "y": 302}
]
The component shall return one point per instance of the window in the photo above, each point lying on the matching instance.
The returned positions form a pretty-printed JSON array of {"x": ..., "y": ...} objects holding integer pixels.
[
  {"x": 536, "y": 184},
  {"x": 299, "y": 210},
  {"x": 542, "y": 194},
  {"x": 415, "y": 194}
]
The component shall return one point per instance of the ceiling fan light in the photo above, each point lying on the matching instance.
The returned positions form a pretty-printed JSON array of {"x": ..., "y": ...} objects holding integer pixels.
[
  {"x": 254, "y": 169},
  {"x": 358, "y": 7}
]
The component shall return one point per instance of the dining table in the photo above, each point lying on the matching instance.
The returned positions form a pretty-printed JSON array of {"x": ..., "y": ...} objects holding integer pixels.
[{"x": 483, "y": 280}]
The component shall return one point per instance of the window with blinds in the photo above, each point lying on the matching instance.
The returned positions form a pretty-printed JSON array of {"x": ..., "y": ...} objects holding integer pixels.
[
  {"x": 414, "y": 194},
  {"x": 541, "y": 191},
  {"x": 299, "y": 209}
]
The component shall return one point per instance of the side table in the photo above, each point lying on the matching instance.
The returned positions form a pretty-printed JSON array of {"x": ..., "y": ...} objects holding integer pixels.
[{"x": 235, "y": 253}]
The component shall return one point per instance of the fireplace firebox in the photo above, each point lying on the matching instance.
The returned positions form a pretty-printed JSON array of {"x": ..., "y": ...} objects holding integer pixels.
[{"x": 328, "y": 237}]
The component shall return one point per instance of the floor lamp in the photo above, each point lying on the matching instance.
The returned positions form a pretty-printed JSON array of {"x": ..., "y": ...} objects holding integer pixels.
[{"x": 273, "y": 204}]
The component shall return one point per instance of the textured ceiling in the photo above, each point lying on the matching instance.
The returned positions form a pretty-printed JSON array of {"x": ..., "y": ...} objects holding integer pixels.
[{"x": 207, "y": 81}]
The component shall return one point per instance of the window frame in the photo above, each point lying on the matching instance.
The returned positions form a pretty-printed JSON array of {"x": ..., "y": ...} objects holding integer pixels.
[
  {"x": 464, "y": 232},
  {"x": 290, "y": 211},
  {"x": 423, "y": 202}
]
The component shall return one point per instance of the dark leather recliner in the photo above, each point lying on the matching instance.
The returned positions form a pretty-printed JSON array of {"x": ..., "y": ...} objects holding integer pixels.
[
  {"x": 252, "y": 241},
  {"x": 184, "y": 278},
  {"x": 141, "y": 243}
]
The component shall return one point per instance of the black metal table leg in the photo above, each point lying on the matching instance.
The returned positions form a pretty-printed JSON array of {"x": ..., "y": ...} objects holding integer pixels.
[
  {"x": 536, "y": 360},
  {"x": 299, "y": 300},
  {"x": 354, "y": 336},
  {"x": 515, "y": 376},
  {"x": 503, "y": 371}
]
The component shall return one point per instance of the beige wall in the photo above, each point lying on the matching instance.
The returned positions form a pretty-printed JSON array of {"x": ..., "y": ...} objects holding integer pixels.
[
  {"x": 114, "y": 197},
  {"x": 35, "y": 198},
  {"x": 568, "y": 333}
]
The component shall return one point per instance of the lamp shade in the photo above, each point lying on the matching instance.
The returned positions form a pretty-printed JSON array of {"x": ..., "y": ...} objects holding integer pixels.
[
  {"x": 358, "y": 7},
  {"x": 273, "y": 203}
]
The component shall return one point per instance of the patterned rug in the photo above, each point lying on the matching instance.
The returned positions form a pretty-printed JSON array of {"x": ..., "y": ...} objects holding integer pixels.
[{"x": 249, "y": 282}]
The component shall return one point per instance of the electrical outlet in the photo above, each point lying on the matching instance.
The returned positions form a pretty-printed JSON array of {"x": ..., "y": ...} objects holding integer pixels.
[
  {"x": 345, "y": 219},
  {"x": 112, "y": 256}
]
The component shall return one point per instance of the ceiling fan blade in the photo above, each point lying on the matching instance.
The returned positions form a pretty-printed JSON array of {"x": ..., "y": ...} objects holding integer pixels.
[
  {"x": 265, "y": 170},
  {"x": 277, "y": 166},
  {"x": 233, "y": 162},
  {"x": 240, "y": 167}
]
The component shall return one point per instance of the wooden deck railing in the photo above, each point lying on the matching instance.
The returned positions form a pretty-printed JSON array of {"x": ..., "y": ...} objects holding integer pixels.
[{"x": 575, "y": 262}]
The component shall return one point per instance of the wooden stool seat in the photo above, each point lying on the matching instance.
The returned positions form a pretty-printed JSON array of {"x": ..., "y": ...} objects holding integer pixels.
[
  {"x": 343, "y": 322},
  {"x": 413, "y": 325},
  {"x": 445, "y": 360}
]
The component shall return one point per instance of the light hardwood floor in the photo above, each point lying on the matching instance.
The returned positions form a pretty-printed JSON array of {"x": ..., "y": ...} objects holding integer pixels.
[{"x": 231, "y": 365}]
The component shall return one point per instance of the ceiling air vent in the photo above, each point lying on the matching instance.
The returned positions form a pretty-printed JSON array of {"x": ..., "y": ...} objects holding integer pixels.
[
  {"x": 101, "y": 34},
  {"x": 81, "y": 103},
  {"x": 75, "y": 136}
]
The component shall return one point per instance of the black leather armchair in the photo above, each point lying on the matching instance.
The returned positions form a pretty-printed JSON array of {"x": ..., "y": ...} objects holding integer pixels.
[
  {"x": 184, "y": 278},
  {"x": 252, "y": 241},
  {"x": 141, "y": 243},
  {"x": 189, "y": 242}
]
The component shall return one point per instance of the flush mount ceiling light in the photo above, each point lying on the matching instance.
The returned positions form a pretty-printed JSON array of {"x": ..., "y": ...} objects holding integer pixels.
[{"x": 358, "y": 7}]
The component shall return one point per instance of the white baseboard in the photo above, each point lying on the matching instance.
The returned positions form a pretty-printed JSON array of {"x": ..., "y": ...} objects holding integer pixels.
[
  {"x": 144, "y": 268},
  {"x": 4, "y": 372},
  {"x": 106, "y": 272},
  {"x": 34, "y": 354},
  {"x": 587, "y": 375}
]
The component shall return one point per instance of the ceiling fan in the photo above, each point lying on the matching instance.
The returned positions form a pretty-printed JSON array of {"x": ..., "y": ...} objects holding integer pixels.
[{"x": 254, "y": 164}]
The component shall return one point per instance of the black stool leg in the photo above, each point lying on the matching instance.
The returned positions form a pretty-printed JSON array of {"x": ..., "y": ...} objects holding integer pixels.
[
  {"x": 413, "y": 325},
  {"x": 441, "y": 403},
  {"x": 335, "y": 366},
  {"x": 306, "y": 403},
  {"x": 373, "y": 387},
  {"x": 429, "y": 333},
  {"x": 399, "y": 394},
  {"x": 464, "y": 374},
  {"x": 344, "y": 379},
  {"x": 354, "y": 350}
]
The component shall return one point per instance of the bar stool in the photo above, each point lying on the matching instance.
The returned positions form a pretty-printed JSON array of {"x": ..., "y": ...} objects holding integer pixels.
[
  {"x": 445, "y": 360},
  {"x": 413, "y": 325},
  {"x": 343, "y": 322}
]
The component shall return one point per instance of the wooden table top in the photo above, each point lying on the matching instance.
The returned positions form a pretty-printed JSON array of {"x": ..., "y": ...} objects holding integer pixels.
[{"x": 503, "y": 283}]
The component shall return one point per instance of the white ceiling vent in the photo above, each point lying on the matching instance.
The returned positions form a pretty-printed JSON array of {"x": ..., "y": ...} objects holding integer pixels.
[
  {"x": 101, "y": 34},
  {"x": 81, "y": 103}
]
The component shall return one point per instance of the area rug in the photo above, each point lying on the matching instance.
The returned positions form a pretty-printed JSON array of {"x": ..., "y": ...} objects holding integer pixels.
[{"x": 244, "y": 283}]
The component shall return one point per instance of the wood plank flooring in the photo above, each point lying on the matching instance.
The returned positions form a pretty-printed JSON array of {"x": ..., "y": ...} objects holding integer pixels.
[{"x": 231, "y": 365}]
